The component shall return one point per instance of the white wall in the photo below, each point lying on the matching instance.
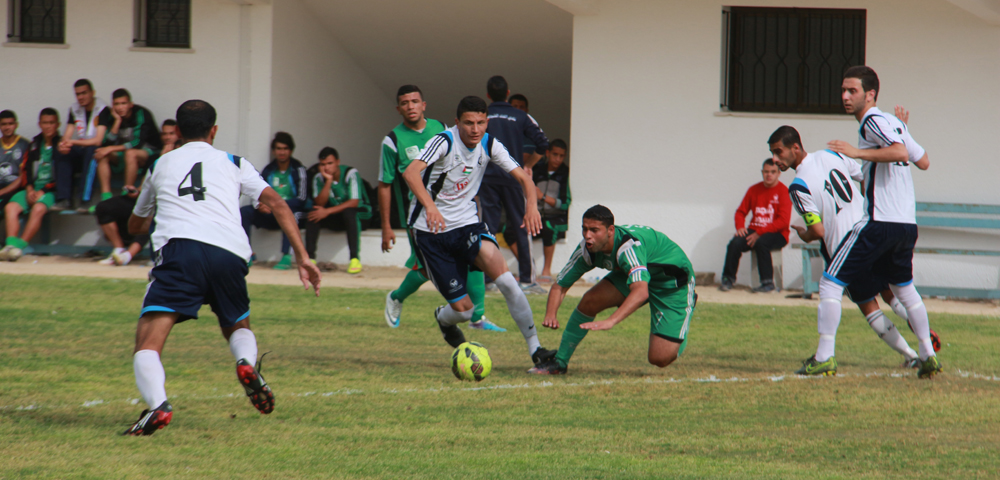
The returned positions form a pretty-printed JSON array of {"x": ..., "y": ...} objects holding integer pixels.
[{"x": 649, "y": 143}]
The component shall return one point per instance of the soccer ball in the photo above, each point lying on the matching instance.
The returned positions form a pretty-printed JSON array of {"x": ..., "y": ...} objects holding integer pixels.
[{"x": 471, "y": 362}]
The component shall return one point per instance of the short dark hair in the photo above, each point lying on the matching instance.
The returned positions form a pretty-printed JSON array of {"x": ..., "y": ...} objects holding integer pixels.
[
  {"x": 8, "y": 114},
  {"x": 48, "y": 111},
  {"x": 868, "y": 77},
  {"x": 195, "y": 119},
  {"x": 496, "y": 88},
  {"x": 601, "y": 214},
  {"x": 558, "y": 143},
  {"x": 83, "y": 82},
  {"x": 121, "y": 92},
  {"x": 518, "y": 96},
  {"x": 283, "y": 137},
  {"x": 471, "y": 103},
  {"x": 327, "y": 151},
  {"x": 169, "y": 123},
  {"x": 405, "y": 89},
  {"x": 787, "y": 135},
  {"x": 768, "y": 162}
]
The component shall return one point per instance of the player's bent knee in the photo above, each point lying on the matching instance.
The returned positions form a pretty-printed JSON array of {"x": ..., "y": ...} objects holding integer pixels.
[
  {"x": 662, "y": 360},
  {"x": 463, "y": 305}
]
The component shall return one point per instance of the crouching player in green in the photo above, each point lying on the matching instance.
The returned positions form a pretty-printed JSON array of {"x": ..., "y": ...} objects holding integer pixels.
[{"x": 645, "y": 266}]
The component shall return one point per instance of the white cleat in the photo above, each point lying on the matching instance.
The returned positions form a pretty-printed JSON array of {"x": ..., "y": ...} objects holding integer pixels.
[
  {"x": 393, "y": 310},
  {"x": 121, "y": 258}
]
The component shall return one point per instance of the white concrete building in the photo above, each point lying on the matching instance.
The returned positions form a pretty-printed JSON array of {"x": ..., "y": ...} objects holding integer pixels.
[{"x": 634, "y": 85}]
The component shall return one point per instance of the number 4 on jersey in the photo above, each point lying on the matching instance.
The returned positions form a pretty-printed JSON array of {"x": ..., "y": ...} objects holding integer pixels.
[{"x": 196, "y": 188}]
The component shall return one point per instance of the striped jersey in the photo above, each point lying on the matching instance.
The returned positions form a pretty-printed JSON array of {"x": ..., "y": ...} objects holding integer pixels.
[
  {"x": 453, "y": 175},
  {"x": 823, "y": 192},
  {"x": 639, "y": 252},
  {"x": 195, "y": 191},
  {"x": 888, "y": 187}
]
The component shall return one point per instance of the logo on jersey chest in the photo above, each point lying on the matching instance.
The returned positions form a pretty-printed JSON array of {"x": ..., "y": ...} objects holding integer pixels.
[
  {"x": 607, "y": 264},
  {"x": 412, "y": 152}
]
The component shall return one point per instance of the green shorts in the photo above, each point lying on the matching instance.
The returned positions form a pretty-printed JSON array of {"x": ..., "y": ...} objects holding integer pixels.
[
  {"x": 21, "y": 198},
  {"x": 118, "y": 165},
  {"x": 670, "y": 309},
  {"x": 413, "y": 262}
]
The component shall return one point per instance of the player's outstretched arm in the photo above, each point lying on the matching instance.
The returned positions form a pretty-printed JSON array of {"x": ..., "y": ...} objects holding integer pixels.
[
  {"x": 532, "y": 219},
  {"x": 556, "y": 296},
  {"x": 637, "y": 296},
  {"x": 435, "y": 222},
  {"x": 384, "y": 200},
  {"x": 308, "y": 272},
  {"x": 810, "y": 233},
  {"x": 924, "y": 163},
  {"x": 891, "y": 154}
]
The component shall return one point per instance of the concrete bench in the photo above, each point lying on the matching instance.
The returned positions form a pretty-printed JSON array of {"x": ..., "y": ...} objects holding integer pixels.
[{"x": 954, "y": 216}]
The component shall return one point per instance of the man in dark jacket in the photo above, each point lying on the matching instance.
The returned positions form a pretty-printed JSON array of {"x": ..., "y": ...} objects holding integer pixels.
[
  {"x": 551, "y": 177},
  {"x": 499, "y": 190}
]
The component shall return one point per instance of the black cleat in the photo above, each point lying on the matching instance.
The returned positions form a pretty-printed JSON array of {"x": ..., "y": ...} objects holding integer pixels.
[
  {"x": 254, "y": 384},
  {"x": 550, "y": 367},
  {"x": 151, "y": 420},
  {"x": 452, "y": 334},
  {"x": 542, "y": 355}
]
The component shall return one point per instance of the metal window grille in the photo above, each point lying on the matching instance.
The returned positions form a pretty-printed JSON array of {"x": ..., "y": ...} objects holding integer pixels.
[
  {"x": 37, "y": 21},
  {"x": 789, "y": 60},
  {"x": 163, "y": 23}
]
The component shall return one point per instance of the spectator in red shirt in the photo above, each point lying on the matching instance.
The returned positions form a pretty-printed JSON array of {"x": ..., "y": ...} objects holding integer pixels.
[{"x": 771, "y": 209}]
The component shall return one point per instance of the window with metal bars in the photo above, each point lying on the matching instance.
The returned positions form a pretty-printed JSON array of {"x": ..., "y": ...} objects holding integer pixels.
[
  {"x": 36, "y": 21},
  {"x": 163, "y": 23},
  {"x": 789, "y": 60}
]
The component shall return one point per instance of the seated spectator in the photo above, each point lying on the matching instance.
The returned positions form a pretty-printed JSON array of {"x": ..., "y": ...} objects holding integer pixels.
[
  {"x": 112, "y": 216},
  {"x": 551, "y": 176},
  {"x": 15, "y": 148},
  {"x": 287, "y": 176},
  {"x": 169, "y": 136},
  {"x": 37, "y": 174},
  {"x": 131, "y": 142},
  {"x": 88, "y": 121},
  {"x": 771, "y": 209},
  {"x": 339, "y": 202}
]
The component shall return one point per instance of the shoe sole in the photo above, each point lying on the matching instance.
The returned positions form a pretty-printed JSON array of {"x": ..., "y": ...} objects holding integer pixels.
[
  {"x": 161, "y": 420},
  {"x": 256, "y": 389},
  {"x": 388, "y": 318}
]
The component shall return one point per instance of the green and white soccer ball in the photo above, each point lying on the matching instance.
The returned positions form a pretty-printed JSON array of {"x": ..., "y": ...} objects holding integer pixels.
[{"x": 471, "y": 361}]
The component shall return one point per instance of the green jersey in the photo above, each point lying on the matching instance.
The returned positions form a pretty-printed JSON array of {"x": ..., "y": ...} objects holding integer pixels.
[
  {"x": 348, "y": 187},
  {"x": 43, "y": 172},
  {"x": 400, "y": 147},
  {"x": 281, "y": 182},
  {"x": 640, "y": 253}
]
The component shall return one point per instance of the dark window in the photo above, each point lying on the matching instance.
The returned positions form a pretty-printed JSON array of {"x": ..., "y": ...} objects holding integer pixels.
[
  {"x": 789, "y": 60},
  {"x": 163, "y": 23},
  {"x": 37, "y": 21}
]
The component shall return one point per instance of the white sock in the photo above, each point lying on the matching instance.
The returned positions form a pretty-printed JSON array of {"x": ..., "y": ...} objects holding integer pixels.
[
  {"x": 243, "y": 344},
  {"x": 917, "y": 312},
  {"x": 899, "y": 309},
  {"x": 887, "y": 331},
  {"x": 519, "y": 309},
  {"x": 449, "y": 316},
  {"x": 150, "y": 377},
  {"x": 828, "y": 318},
  {"x": 124, "y": 258}
]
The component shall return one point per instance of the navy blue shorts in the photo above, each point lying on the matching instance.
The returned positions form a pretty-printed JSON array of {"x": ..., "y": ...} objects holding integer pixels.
[
  {"x": 882, "y": 250},
  {"x": 449, "y": 256},
  {"x": 189, "y": 274}
]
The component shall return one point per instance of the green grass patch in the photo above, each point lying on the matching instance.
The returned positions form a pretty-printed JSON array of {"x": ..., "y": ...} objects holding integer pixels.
[{"x": 356, "y": 399}]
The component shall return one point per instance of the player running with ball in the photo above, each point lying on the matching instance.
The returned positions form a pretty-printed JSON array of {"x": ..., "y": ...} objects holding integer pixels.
[
  {"x": 646, "y": 266},
  {"x": 201, "y": 255},
  {"x": 448, "y": 231}
]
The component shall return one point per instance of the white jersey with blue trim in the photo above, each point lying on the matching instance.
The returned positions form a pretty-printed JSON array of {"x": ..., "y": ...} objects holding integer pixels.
[
  {"x": 823, "y": 192},
  {"x": 453, "y": 175},
  {"x": 195, "y": 191},
  {"x": 888, "y": 187}
]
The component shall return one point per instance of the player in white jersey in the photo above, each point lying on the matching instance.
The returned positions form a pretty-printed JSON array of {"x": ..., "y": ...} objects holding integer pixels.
[
  {"x": 831, "y": 206},
  {"x": 200, "y": 255},
  {"x": 448, "y": 231},
  {"x": 884, "y": 244}
]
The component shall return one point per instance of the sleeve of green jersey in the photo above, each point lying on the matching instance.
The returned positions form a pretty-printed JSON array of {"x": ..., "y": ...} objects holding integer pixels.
[
  {"x": 353, "y": 185},
  {"x": 632, "y": 259},
  {"x": 390, "y": 160},
  {"x": 574, "y": 269},
  {"x": 316, "y": 186}
]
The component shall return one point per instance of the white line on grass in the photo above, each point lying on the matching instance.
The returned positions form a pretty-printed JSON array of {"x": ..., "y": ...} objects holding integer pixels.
[{"x": 517, "y": 386}]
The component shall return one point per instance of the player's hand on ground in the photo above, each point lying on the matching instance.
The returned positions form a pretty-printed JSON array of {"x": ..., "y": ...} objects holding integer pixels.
[
  {"x": 843, "y": 147},
  {"x": 435, "y": 222},
  {"x": 902, "y": 114},
  {"x": 752, "y": 239},
  {"x": 741, "y": 232},
  {"x": 309, "y": 275},
  {"x": 532, "y": 221},
  {"x": 551, "y": 322},
  {"x": 388, "y": 239},
  {"x": 318, "y": 213},
  {"x": 602, "y": 325}
]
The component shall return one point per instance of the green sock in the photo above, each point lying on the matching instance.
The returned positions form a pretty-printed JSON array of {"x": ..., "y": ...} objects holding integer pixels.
[
  {"x": 475, "y": 284},
  {"x": 106, "y": 195},
  {"x": 411, "y": 283},
  {"x": 572, "y": 336},
  {"x": 16, "y": 242}
]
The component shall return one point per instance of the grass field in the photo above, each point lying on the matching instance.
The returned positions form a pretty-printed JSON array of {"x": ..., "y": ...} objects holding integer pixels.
[{"x": 356, "y": 399}]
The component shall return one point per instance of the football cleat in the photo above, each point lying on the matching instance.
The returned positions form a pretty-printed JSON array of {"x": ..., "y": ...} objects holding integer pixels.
[
  {"x": 935, "y": 341},
  {"x": 542, "y": 355},
  {"x": 285, "y": 263},
  {"x": 533, "y": 289},
  {"x": 152, "y": 420},
  {"x": 393, "y": 310},
  {"x": 929, "y": 367},
  {"x": 452, "y": 334},
  {"x": 550, "y": 367},
  {"x": 354, "y": 266},
  {"x": 811, "y": 367},
  {"x": 486, "y": 325},
  {"x": 121, "y": 258},
  {"x": 255, "y": 385},
  {"x": 913, "y": 363}
]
